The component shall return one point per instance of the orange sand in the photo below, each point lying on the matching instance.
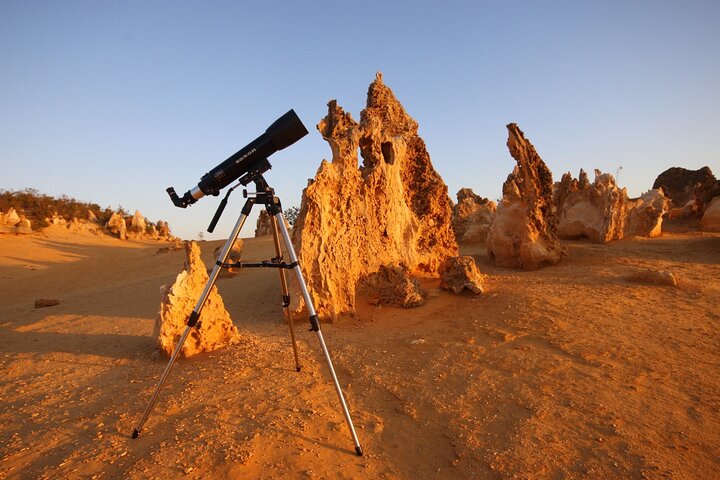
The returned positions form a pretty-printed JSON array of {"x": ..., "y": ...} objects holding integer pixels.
[{"x": 566, "y": 372}]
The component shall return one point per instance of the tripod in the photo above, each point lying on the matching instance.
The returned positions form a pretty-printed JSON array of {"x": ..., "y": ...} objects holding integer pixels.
[{"x": 263, "y": 195}]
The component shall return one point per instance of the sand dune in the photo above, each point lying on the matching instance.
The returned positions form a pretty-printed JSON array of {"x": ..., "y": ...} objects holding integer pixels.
[{"x": 570, "y": 371}]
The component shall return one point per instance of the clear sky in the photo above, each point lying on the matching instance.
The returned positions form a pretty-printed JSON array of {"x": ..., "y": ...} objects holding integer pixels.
[{"x": 113, "y": 101}]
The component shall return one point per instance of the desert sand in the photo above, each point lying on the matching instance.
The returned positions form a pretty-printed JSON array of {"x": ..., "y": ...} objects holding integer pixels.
[{"x": 570, "y": 371}]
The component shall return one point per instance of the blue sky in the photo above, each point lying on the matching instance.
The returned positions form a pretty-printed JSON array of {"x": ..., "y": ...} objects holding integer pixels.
[{"x": 112, "y": 102}]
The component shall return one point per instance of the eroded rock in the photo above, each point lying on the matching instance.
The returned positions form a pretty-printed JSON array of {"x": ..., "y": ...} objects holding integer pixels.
[
  {"x": 601, "y": 211},
  {"x": 645, "y": 214},
  {"x": 524, "y": 231},
  {"x": 392, "y": 210},
  {"x": 472, "y": 217},
  {"x": 654, "y": 277},
  {"x": 691, "y": 190},
  {"x": 710, "y": 221},
  {"x": 138, "y": 223},
  {"x": 264, "y": 227},
  {"x": 177, "y": 302},
  {"x": 117, "y": 226},
  {"x": 461, "y": 273},
  {"x": 392, "y": 285}
]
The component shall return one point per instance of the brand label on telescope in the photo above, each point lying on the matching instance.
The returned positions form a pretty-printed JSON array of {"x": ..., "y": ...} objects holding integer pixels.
[{"x": 246, "y": 155}]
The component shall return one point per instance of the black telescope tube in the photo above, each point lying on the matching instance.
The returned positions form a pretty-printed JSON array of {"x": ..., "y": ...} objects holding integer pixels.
[{"x": 283, "y": 132}]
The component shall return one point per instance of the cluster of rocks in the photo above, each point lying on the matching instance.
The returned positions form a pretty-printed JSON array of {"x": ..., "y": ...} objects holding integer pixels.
[
  {"x": 12, "y": 222},
  {"x": 381, "y": 223},
  {"x": 139, "y": 227},
  {"x": 135, "y": 226}
]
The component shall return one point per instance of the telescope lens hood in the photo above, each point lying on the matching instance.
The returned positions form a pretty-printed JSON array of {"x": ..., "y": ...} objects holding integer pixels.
[{"x": 286, "y": 130}]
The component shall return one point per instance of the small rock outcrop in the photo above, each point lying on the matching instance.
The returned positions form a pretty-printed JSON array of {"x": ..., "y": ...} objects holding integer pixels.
[
  {"x": 654, "y": 277},
  {"x": 601, "y": 211},
  {"x": 12, "y": 222},
  {"x": 264, "y": 227},
  {"x": 234, "y": 257},
  {"x": 691, "y": 190},
  {"x": 461, "y": 273},
  {"x": 177, "y": 302},
  {"x": 524, "y": 231},
  {"x": 710, "y": 221},
  {"x": 645, "y": 214},
  {"x": 472, "y": 217},
  {"x": 393, "y": 210},
  {"x": 117, "y": 226},
  {"x": 393, "y": 286},
  {"x": 138, "y": 223}
]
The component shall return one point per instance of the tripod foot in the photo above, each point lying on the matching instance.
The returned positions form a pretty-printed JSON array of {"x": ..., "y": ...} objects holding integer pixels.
[
  {"x": 359, "y": 451},
  {"x": 297, "y": 369},
  {"x": 136, "y": 433}
]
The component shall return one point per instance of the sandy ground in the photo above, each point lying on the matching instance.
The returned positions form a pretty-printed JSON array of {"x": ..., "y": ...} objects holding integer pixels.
[{"x": 567, "y": 372}]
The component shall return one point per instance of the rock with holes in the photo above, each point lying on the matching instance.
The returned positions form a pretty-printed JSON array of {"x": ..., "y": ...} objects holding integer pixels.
[
  {"x": 394, "y": 209},
  {"x": 216, "y": 329},
  {"x": 524, "y": 231},
  {"x": 690, "y": 191}
]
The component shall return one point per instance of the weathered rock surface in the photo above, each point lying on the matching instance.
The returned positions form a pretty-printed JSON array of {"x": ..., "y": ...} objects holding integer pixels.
[
  {"x": 461, "y": 273},
  {"x": 234, "y": 257},
  {"x": 177, "y": 302},
  {"x": 472, "y": 217},
  {"x": 392, "y": 210},
  {"x": 601, "y": 211},
  {"x": 710, "y": 221},
  {"x": 46, "y": 302},
  {"x": 524, "y": 231},
  {"x": 138, "y": 223},
  {"x": 23, "y": 227},
  {"x": 264, "y": 227},
  {"x": 645, "y": 214},
  {"x": 11, "y": 217},
  {"x": 392, "y": 285},
  {"x": 117, "y": 226},
  {"x": 654, "y": 277},
  {"x": 592, "y": 210},
  {"x": 684, "y": 187}
]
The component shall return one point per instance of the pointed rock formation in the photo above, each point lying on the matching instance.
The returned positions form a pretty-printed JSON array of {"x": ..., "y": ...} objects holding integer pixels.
[
  {"x": 12, "y": 218},
  {"x": 177, "y": 302},
  {"x": 392, "y": 210},
  {"x": 472, "y": 217},
  {"x": 263, "y": 225},
  {"x": 116, "y": 225},
  {"x": 523, "y": 233},
  {"x": 23, "y": 227},
  {"x": 138, "y": 223}
]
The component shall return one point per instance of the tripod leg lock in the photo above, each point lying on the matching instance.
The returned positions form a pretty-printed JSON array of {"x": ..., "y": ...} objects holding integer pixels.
[
  {"x": 193, "y": 319},
  {"x": 314, "y": 324},
  {"x": 286, "y": 301}
]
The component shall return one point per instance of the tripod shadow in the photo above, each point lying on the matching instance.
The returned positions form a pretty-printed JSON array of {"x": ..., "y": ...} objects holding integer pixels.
[{"x": 316, "y": 442}]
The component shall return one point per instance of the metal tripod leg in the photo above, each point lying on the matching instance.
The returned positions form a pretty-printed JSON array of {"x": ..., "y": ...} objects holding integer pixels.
[
  {"x": 285, "y": 290},
  {"x": 192, "y": 321},
  {"x": 316, "y": 328}
]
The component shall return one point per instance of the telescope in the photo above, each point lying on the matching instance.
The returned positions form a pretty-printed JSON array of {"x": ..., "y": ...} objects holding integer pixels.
[{"x": 246, "y": 163}]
